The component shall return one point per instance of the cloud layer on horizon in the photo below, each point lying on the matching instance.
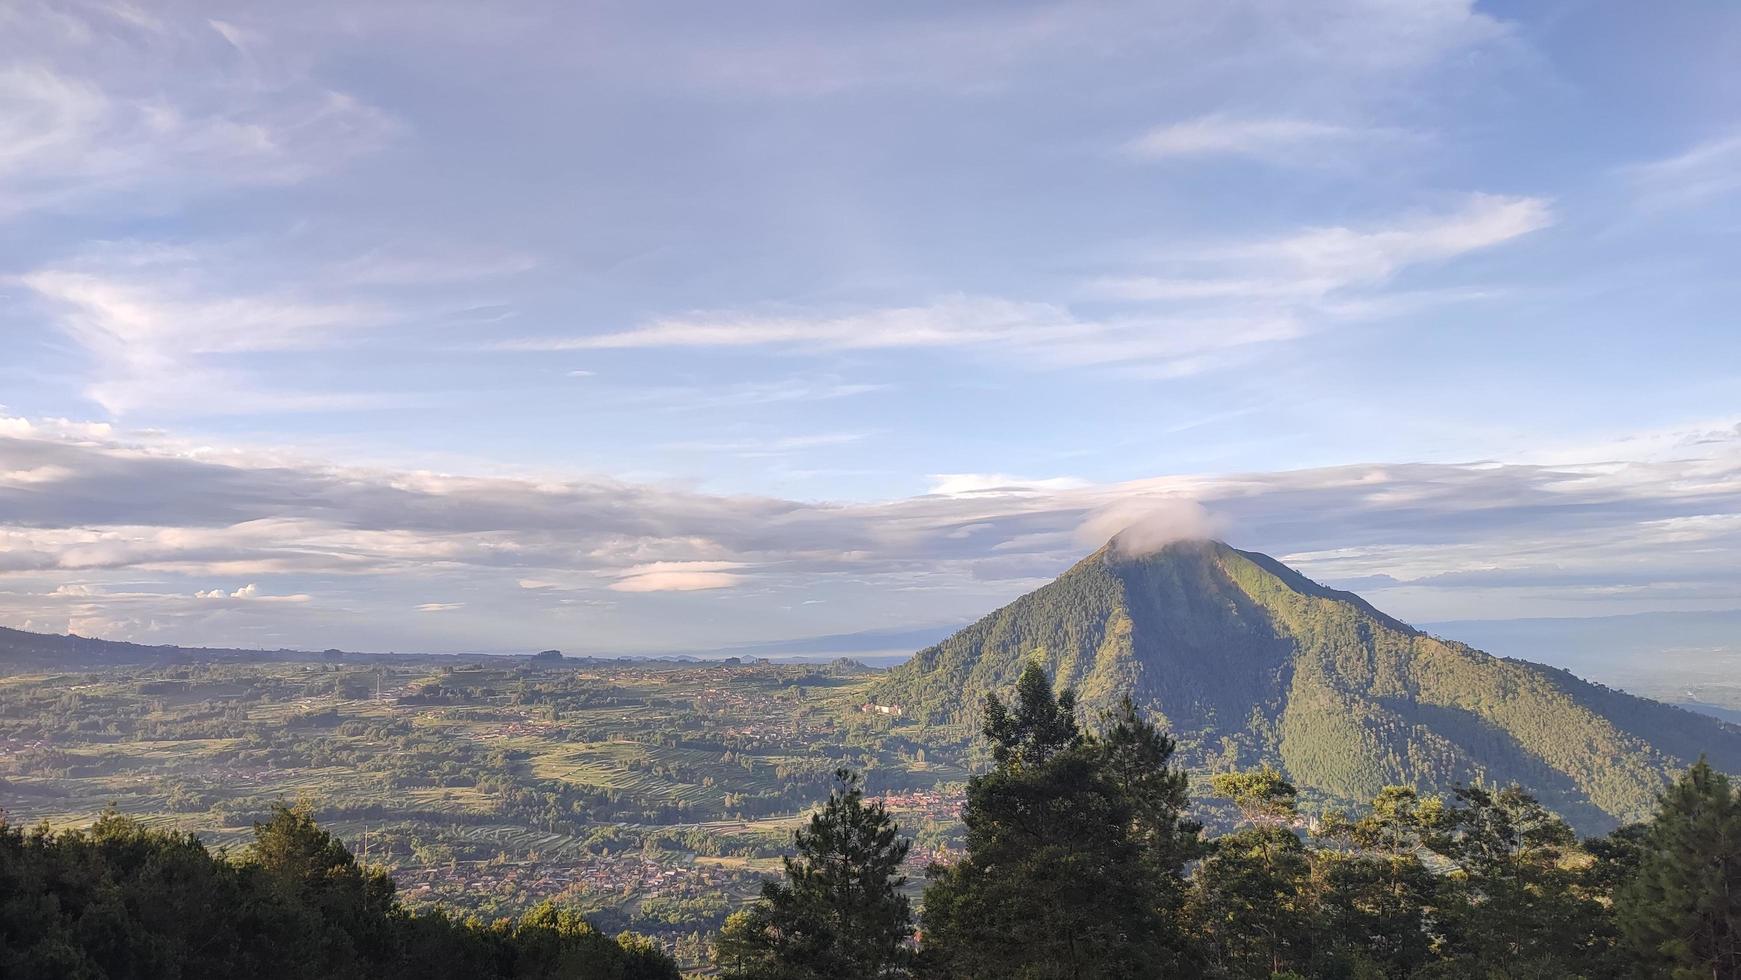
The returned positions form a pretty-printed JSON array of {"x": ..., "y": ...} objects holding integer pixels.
[{"x": 137, "y": 537}]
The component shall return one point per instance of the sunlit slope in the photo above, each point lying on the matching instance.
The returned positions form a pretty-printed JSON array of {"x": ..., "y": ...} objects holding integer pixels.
[{"x": 1247, "y": 661}]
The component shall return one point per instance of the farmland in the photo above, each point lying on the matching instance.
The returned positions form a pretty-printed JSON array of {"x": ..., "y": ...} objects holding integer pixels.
[{"x": 654, "y": 794}]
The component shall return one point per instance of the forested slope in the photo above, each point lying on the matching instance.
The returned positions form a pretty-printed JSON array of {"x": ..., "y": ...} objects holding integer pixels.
[{"x": 1247, "y": 661}]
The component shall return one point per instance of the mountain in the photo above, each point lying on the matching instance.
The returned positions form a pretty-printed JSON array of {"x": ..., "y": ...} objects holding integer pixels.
[
  {"x": 71, "y": 650},
  {"x": 1245, "y": 660},
  {"x": 19, "y": 645}
]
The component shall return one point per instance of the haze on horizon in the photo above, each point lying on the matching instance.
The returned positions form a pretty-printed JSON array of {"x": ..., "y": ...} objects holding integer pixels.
[{"x": 435, "y": 327}]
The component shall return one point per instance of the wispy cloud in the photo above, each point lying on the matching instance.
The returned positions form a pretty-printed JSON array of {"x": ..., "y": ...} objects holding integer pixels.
[
  {"x": 1224, "y": 302},
  {"x": 773, "y": 446},
  {"x": 1708, "y": 170},
  {"x": 948, "y": 323},
  {"x": 1276, "y": 139},
  {"x": 1032, "y": 335},
  {"x": 1317, "y": 262},
  {"x": 746, "y": 394},
  {"x": 972, "y": 52},
  {"x": 416, "y": 265},
  {"x": 972, "y": 484},
  {"x": 1347, "y": 255},
  {"x": 156, "y": 328},
  {"x": 65, "y": 140}
]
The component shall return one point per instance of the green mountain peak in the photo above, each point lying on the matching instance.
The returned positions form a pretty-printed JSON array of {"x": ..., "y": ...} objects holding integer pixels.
[{"x": 1246, "y": 660}]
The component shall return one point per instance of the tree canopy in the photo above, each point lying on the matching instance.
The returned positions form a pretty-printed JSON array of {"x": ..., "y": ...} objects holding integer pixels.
[
  {"x": 838, "y": 913},
  {"x": 121, "y": 901}
]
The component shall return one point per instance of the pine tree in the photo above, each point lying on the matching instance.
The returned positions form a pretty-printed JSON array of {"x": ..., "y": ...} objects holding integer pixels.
[
  {"x": 1040, "y": 725},
  {"x": 1374, "y": 892},
  {"x": 1138, "y": 759},
  {"x": 1513, "y": 903},
  {"x": 1248, "y": 898},
  {"x": 1682, "y": 912},
  {"x": 839, "y": 914},
  {"x": 1066, "y": 841}
]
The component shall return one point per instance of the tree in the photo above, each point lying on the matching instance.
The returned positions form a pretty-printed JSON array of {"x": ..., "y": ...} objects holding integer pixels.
[
  {"x": 1040, "y": 725},
  {"x": 839, "y": 913},
  {"x": 554, "y": 942},
  {"x": 1682, "y": 911},
  {"x": 1247, "y": 897},
  {"x": 1374, "y": 894},
  {"x": 1512, "y": 905},
  {"x": 313, "y": 871},
  {"x": 1064, "y": 840},
  {"x": 1138, "y": 759},
  {"x": 125, "y": 902}
]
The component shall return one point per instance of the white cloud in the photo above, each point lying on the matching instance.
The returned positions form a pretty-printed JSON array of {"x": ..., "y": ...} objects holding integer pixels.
[
  {"x": 89, "y": 119},
  {"x": 679, "y": 576},
  {"x": 250, "y": 593},
  {"x": 776, "y": 446},
  {"x": 1033, "y": 334},
  {"x": 1316, "y": 263},
  {"x": 433, "y": 607},
  {"x": 1643, "y": 523},
  {"x": 38, "y": 474},
  {"x": 971, "y": 51},
  {"x": 1278, "y": 139},
  {"x": 68, "y": 142},
  {"x": 1708, "y": 170},
  {"x": 947, "y": 323},
  {"x": 1223, "y": 304},
  {"x": 157, "y": 324},
  {"x": 746, "y": 394},
  {"x": 59, "y": 429},
  {"x": 973, "y": 484},
  {"x": 1143, "y": 526},
  {"x": 1350, "y": 256},
  {"x": 152, "y": 311}
]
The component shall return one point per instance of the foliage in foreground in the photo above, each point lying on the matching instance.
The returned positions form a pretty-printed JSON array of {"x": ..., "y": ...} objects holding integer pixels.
[
  {"x": 839, "y": 912},
  {"x": 120, "y": 900},
  {"x": 1080, "y": 863}
]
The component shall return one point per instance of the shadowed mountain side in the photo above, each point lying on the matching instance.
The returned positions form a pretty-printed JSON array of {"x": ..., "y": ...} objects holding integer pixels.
[{"x": 1247, "y": 661}]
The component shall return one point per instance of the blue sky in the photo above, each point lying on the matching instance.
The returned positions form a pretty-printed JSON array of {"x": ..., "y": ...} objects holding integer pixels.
[{"x": 632, "y": 328}]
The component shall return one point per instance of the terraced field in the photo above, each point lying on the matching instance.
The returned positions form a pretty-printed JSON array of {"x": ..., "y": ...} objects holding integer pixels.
[{"x": 641, "y": 791}]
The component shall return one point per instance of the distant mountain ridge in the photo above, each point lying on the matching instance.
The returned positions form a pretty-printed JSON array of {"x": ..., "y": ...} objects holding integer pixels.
[
  {"x": 1246, "y": 660},
  {"x": 70, "y": 650}
]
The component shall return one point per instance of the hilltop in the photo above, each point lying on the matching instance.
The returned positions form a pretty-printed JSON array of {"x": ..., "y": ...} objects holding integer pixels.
[{"x": 1246, "y": 660}]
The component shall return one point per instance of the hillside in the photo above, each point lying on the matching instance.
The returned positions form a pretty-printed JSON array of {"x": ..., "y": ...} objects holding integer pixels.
[
  {"x": 1246, "y": 660},
  {"x": 70, "y": 648}
]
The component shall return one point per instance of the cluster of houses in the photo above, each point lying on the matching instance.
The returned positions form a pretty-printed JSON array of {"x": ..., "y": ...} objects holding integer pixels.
[
  {"x": 621, "y": 874},
  {"x": 724, "y": 700},
  {"x": 924, "y": 803}
]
